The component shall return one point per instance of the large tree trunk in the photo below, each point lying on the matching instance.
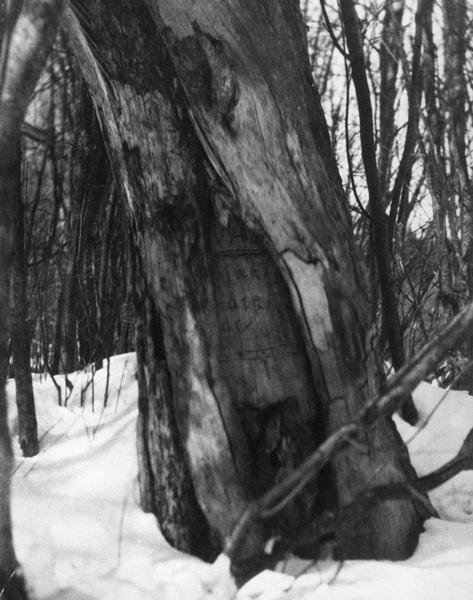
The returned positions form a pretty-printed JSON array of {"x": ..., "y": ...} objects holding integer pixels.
[{"x": 220, "y": 145}]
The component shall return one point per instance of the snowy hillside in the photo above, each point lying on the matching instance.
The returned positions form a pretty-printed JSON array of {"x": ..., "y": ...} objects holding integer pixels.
[{"x": 80, "y": 534}]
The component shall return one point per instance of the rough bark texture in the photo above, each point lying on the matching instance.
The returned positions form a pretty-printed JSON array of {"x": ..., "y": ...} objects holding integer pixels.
[
  {"x": 244, "y": 70},
  {"x": 165, "y": 485},
  {"x": 30, "y": 41},
  {"x": 156, "y": 159},
  {"x": 230, "y": 136}
]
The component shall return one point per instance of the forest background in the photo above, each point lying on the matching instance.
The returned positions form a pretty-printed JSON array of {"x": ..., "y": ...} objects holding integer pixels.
[{"x": 78, "y": 271}]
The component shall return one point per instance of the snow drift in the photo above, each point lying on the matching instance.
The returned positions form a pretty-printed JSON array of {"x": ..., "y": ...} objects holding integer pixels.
[{"x": 80, "y": 534}]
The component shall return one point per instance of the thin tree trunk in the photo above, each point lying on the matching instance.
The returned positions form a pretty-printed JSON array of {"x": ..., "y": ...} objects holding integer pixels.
[
  {"x": 57, "y": 336},
  {"x": 69, "y": 357},
  {"x": 21, "y": 341},
  {"x": 380, "y": 243},
  {"x": 30, "y": 41},
  {"x": 10, "y": 584},
  {"x": 437, "y": 176},
  {"x": 455, "y": 107},
  {"x": 389, "y": 59},
  {"x": 398, "y": 193}
]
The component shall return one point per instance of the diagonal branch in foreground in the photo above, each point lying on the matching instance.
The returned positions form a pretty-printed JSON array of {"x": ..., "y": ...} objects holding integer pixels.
[{"x": 402, "y": 383}]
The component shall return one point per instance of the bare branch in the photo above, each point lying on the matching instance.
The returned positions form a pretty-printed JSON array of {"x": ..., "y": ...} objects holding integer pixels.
[
  {"x": 329, "y": 27},
  {"x": 463, "y": 461},
  {"x": 35, "y": 133},
  {"x": 402, "y": 384}
]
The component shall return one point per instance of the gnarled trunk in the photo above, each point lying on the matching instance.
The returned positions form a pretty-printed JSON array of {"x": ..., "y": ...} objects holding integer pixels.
[{"x": 221, "y": 149}]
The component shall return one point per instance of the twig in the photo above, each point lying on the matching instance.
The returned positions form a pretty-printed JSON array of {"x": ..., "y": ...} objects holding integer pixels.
[
  {"x": 36, "y": 134},
  {"x": 331, "y": 33},
  {"x": 463, "y": 461},
  {"x": 406, "y": 379},
  {"x": 2, "y": 591},
  {"x": 437, "y": 405}
]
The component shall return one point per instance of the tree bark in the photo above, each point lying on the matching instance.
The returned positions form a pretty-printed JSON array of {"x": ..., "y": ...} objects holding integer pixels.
[
  {"x": 165, "y": 484},
  {"x": 146, "y": 125},
  {"x": 221, "y": 148},
  {"x": 21, "y": 340},
  {"x": 268, "y": 144}
]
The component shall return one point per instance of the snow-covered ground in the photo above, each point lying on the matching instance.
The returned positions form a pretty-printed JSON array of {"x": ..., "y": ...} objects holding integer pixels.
[{"x": 80, "y": 534}]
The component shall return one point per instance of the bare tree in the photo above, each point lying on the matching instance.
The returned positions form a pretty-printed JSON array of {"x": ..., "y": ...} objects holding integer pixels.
[{"x": 27, "y": 39}]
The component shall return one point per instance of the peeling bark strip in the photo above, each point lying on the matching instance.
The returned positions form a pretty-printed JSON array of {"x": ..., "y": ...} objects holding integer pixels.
[
  {"x": 30, "y": 42},
  {"x": 248, "y": 88}
]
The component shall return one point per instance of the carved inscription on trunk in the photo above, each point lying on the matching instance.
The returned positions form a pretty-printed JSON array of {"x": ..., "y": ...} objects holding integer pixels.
[{"x": 262, "y": 354}]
